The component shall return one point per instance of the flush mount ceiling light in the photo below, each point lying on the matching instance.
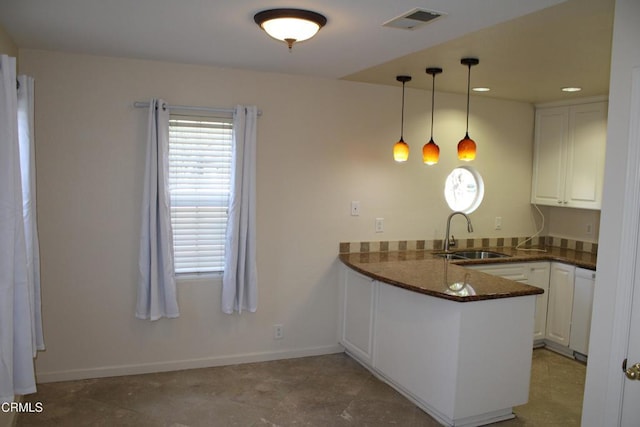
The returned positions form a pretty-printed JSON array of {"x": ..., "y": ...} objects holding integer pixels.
[
  {"x": 290, "y": 25},
  {"x": 401, "y": 149},
  {"x": 431, "y": 151},
  {"x": 467, "y": 146}
]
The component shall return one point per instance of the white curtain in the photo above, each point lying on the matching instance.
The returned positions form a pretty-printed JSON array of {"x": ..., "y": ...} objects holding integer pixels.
[
  {"x": 20, "y": 318},
  {"x": 26, "y": 137},
  {"x": 156, "y": 282},
  {"x": 239, "y": 284}
]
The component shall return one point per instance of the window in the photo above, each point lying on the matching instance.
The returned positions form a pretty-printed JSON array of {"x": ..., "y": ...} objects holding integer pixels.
[
  {"x": 464, "y": 189},
  {"x": 200, "y": 150}
]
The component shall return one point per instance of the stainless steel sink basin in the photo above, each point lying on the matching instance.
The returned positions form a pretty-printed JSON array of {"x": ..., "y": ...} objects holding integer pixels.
[
  {"x": 473, "y": 254},
  {"x": 449, "y": 256},
  {"x": 480, "y": 254}
]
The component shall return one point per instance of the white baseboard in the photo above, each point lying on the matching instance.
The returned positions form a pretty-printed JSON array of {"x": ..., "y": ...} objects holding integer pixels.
[
  {"x": 178, "y": 365},
  {"x": 559, "y": 348}
]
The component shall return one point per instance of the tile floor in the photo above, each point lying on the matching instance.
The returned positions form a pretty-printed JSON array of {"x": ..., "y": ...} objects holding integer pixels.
[{"x": 330, "y": 390}]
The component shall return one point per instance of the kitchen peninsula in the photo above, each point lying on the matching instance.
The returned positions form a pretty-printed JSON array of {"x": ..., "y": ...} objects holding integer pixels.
[{"x": 455, "y": 341}]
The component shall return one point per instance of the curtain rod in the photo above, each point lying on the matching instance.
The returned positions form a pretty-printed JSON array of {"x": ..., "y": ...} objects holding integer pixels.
[{"x": 139, "y": 104}]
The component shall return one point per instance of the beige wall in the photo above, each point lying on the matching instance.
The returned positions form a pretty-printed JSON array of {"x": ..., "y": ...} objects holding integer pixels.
[
  {"x": 7, "y": 46},
  {"x": 322, "y": 143},
  {"x": 572, "y": 223}
]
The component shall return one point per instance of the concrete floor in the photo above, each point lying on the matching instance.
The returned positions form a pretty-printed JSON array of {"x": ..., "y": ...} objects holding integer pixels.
[{"x": 322, "y": 391}]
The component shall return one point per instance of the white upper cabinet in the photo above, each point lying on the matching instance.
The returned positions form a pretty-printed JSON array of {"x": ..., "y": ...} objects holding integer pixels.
[{"x": 568, "y": 160}]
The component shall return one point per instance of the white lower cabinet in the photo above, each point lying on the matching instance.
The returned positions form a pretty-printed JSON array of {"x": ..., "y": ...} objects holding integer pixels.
[
  {"x": 464, "y": 363},
  {"x": 539, "y": 277},
  {"x": 582, "y": 306},
  {"x": 359, "y": 295},
  {"x": 560, "y": 303},
  {"x": 563, "y": 312},
  {"x": 531, "y": 273}
]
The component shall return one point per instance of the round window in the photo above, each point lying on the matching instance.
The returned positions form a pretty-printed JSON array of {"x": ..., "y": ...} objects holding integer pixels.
[{"x": 464, "y": 189}]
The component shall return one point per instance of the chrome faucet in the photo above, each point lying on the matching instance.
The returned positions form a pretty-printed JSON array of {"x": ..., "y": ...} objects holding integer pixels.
[{"x": 452, "y": 242}]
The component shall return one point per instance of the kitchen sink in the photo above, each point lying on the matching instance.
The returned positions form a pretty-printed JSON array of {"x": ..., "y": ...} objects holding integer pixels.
[
  {"x": 480, "y": 254},
  {"x": 473, "y": 254},
  {"x": 449, "y": 256}
]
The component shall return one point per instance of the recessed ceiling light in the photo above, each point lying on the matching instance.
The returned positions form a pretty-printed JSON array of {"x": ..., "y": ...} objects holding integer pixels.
[
  {"x": 481, "y": 89},
  {"x": 571, "y": 89}
]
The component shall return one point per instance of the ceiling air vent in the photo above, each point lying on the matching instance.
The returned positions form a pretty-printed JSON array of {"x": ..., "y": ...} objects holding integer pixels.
[{"x": 413, "y": 19}]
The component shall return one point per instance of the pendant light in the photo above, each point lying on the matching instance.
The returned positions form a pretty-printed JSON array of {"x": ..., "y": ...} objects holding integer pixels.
[
  {"x": 431, "y": 151},
  {"x": 401, "y": 149},
  {"x": 290, "y": 25},
  {"x": 467, "y": 146}
]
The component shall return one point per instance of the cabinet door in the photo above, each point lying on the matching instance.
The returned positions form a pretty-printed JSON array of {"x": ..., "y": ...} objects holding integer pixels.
[
  {"x": 551, "y": 133},
  {"x": 585, "y": 155},
  {"x": 359, "y": 296},
  {"x": 560, "y": 303},
  {"x": 538, "y": 276},
  {"x": 582, "y": 307},
  {"x": 515, "y": 272},
  {"x": 531, "y": 273}
]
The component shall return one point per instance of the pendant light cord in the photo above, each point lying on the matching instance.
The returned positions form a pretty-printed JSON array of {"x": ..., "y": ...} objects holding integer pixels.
[
  {"x": 468, "y": 90},
  {"x": 433, "y": 92},
  {"x": 402, "y": 115}
]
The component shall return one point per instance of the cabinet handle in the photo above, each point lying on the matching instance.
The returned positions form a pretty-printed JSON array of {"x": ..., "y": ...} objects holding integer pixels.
[{"x": 559, "y": 202}]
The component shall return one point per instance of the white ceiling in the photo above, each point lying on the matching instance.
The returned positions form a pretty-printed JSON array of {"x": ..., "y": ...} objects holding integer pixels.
[
  {"x": 519, "y": 59},
  {"x": 527, "y": 59}
]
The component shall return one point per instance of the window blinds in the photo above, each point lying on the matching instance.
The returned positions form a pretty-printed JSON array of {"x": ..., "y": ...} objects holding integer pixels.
[{"x": 200, "y": 150}]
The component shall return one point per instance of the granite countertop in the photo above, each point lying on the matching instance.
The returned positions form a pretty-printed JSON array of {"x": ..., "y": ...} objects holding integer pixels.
[{"x": 424, "y": 272}]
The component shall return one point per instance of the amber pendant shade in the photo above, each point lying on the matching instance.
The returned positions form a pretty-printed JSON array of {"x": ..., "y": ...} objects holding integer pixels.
[
  {"x": 430, "y": 153},
  {"x": 401, "y": 151},
  {"x": 401, "y": 148},
  {"x": 467, "y": 146},
  {"x": 466, "y": 149}
]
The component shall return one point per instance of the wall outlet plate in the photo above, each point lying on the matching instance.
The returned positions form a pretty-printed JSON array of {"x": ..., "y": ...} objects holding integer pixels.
[
  {"x": 278, "y": 332},
  {"x": 355, "y": 208}
]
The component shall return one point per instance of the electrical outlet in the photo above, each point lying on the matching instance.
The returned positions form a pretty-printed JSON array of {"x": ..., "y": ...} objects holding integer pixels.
[
  {"x": 355, "y": 208},
  {"x": 379, "y": 225},
  {"x": 278, "y": 332},
  {"x": 498, "y": 223}
]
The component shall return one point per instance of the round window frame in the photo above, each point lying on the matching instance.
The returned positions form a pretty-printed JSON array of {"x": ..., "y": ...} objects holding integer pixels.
[{"x": 479, "y": 196}]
